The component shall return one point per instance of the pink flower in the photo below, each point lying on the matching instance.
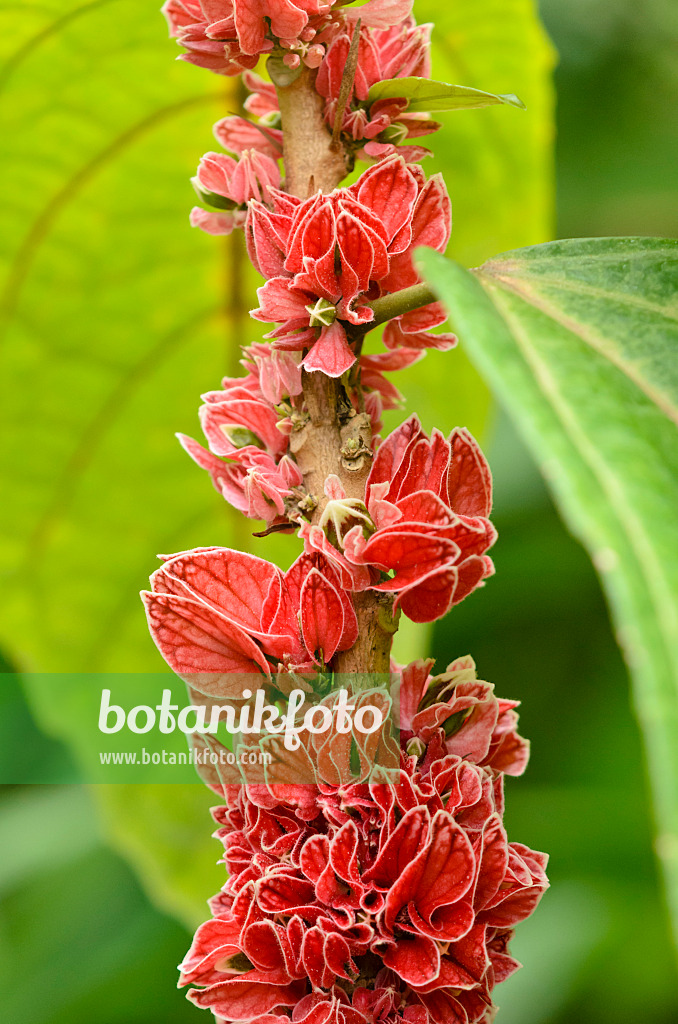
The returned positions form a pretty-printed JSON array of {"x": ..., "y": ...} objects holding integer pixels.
[
  {"x": 213, "y": 223},
  {"x": 247, "y": 458},
  {"x": 229, "y": 36},
  {"x": 236, "y": 134},
  {"x": 457, "y": 698},
  {"x": 238, "y": 181},
  {"x": 229, "y": 184},
  {"x": 398, "y": 51},
  {"x": 327, "y": 882},
  {"x": 325, "y": 258},
  {"x": 213, "y": 612},
  {"x": 424, "y": 524}
]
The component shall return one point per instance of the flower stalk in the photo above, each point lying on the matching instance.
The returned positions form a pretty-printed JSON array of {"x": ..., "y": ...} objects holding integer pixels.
[{"x": 353, "y": 897}]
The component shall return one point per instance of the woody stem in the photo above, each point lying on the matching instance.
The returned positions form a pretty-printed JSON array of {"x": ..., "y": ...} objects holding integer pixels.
[{"x": 311, "y": 164}]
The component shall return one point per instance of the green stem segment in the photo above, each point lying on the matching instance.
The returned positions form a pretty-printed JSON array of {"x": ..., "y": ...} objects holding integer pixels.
[{"x": 404, "y": 301}]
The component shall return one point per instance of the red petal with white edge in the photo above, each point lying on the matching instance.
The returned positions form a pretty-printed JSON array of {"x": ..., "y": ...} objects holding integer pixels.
[
  {"x": 322, "y": 616},
  {"x": 234, "y": 583},
  {"x": 360, "y": 250},
  {"x": 344, "y": 853},
  {"x": 252, "y": 414},
  {"x": 280, "y": 301},
  {"x": 432, "y": 218},
  {"x": 338, "y": 957},
  {"x": 313, "y": 959},
  {"x": 426, "y": 508},
  {"x": 469, "y": 481},
  {"x": 214, "y": 223},
  {"x": 265, "y": 945},
  {"x": 447, "y": 924},
  {"x": 427, "y": 467},
  {"x": 395, "y": 337},
  {"x": 392, "y": 451},
  {"x": 440, "y": 874},
  {"x": 442, "y": 1008},
  {"x": 265, "y": 245},
  {"x": 390, "y": 191},
  {"x": 385, "y": 362},
  {"x": 412, "y": 555},
  {"x": 413, "y": 683},
  {"x": 199, "y": 644},
  {"x": 423, "y": 319},
  {"x": 213, "y": 941},
  {"x": 492, "y": 862},
  {"x": 400, "y": 849},
  {"x": 318, "y": 244},
  {"x": 382, "y": 13},
  {"x": 415, "y": 960},
  {"x": 331, "y": 353},
  {"x": 242, "y": 1000},
  {"x": 314, "y": 856},
  {"x": 440, "y": 590}
]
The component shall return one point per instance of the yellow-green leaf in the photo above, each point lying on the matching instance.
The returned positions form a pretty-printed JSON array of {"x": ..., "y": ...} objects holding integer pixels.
[{"x": 425, "y": 94}]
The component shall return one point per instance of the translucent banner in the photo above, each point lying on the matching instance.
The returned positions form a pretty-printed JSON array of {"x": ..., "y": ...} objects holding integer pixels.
[{"x": 224, "y": 730}]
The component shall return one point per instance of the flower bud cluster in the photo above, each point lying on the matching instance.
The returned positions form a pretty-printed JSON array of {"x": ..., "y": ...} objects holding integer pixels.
[
  {"x": 229, "y": 36},
  {"x": 370, "y": 903}
]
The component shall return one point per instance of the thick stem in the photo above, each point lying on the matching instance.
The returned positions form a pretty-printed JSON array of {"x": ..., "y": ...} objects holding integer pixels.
[
  {"x": 322, "y": 446},
  {"x": 311, "y": 164}
]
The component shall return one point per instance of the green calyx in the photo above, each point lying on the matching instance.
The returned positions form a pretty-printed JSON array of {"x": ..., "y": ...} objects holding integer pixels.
[{"x": 323, "y": 314}]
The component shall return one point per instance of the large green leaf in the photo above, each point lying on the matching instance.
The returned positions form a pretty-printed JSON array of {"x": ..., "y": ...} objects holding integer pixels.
[
  {"x": 579, "y": 339},
  {"x": 425, "y": 94},
  {"x": 116, "y": 315}
]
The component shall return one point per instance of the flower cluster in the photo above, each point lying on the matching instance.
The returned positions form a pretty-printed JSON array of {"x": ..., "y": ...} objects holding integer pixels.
[
  {"x": 364, "y": 903},
  {"x": 229, "y": 185},
  {"x": 326, "y": 258},
  {"x": 248, "y": 424},
  {"x": 247, "y": 458},
  {"x": 427, "y": 503},
  {"x": 229, "y": 36},
  {"x": 379, "y": 128},
  {"x": 215, "y": 611},
  {"x": 370, "y": 130}
]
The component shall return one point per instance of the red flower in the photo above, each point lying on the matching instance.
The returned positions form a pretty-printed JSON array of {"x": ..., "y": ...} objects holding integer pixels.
[
  {"x": 229, "y": 184},
  {"x": 373, "y": 903},
  {"x": 383, "y": 54},
  {"x": 215, "y": 611},
  {"x": 247, "y": 458},
  {"x": 425, "y": 521},
  {"x": 432, "y": 708},
  {"x": 326, "y": 257},
  {"x": 228, "y": 36},
  {"x": 236, "y": 134}
]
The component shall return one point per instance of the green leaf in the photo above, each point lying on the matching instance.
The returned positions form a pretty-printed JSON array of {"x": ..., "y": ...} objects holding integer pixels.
[
  {"x": 579, "y": 339},
  {"x": 116, "y": 315},
  {"x": 424, "y": 94}
]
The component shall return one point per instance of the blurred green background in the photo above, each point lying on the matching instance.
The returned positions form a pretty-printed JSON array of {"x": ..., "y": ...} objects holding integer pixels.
[{"x": 82, "y": 935}]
